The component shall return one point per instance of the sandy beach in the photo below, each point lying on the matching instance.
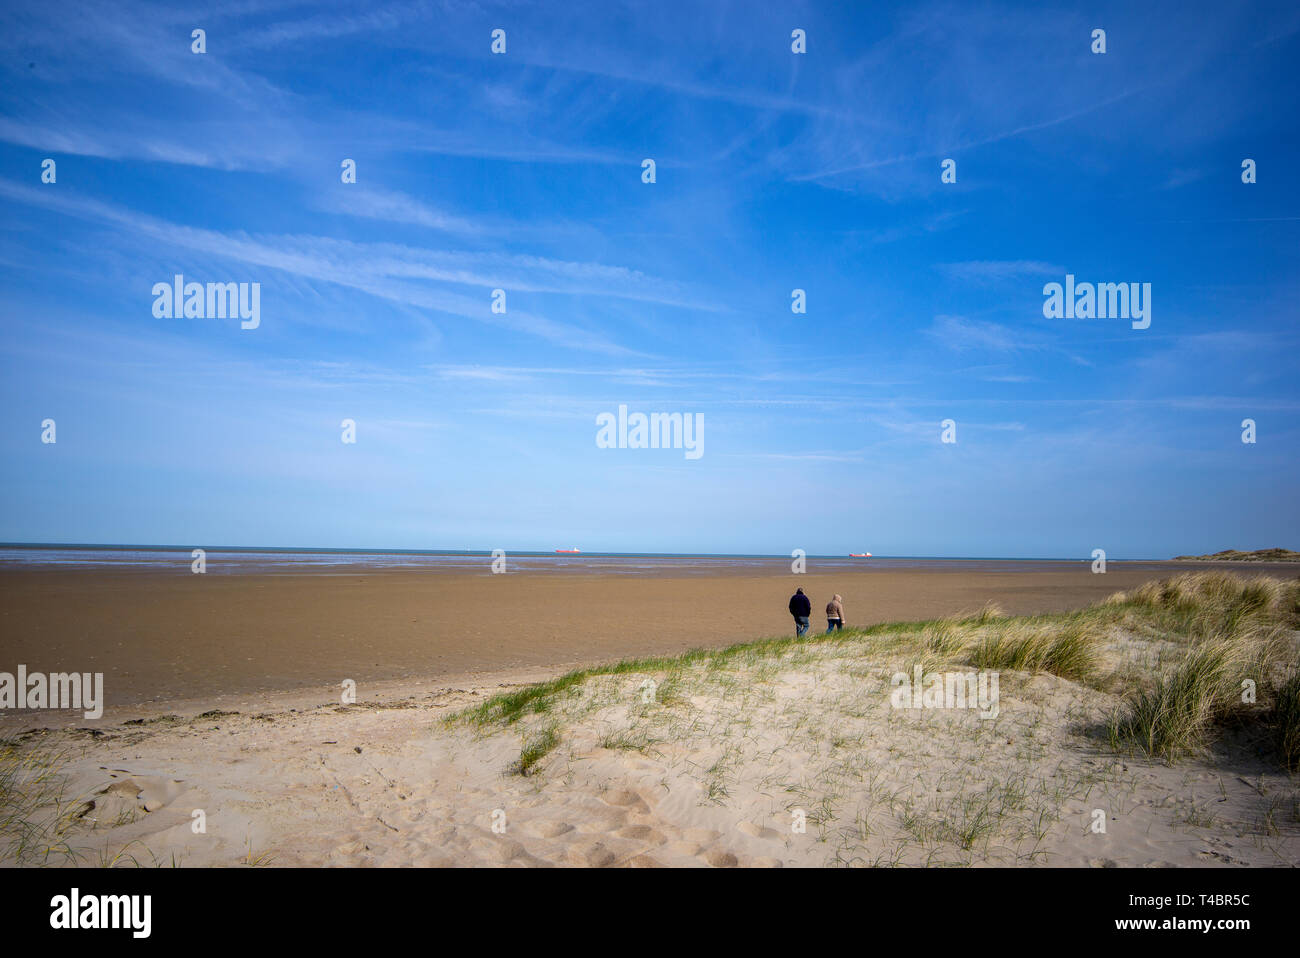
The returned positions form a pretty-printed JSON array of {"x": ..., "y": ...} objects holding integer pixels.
[
  {"x": 784, "y": 753},
  {"x": 187, "y": 643},
  {"x": 227, "y": 739}
]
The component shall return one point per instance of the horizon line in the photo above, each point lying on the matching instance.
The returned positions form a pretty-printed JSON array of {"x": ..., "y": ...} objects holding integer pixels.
[{"x": 160, "y": 547}]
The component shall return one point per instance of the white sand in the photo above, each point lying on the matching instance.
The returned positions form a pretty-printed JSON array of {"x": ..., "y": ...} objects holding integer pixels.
[{"x": 712, "y": 773}]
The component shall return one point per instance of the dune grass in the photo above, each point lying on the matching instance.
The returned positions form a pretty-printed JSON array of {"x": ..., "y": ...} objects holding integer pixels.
[
  {"x": 1286, "y": 722},
  {"x": 509, "y": 707},
  {"x": 1069, "y": 648},
  {"x": 1236, "y": 632},
  {"x": 537, "y": 746},
  {"x": 1175, "y": 718},
  {"x": 35, "y": 812}
]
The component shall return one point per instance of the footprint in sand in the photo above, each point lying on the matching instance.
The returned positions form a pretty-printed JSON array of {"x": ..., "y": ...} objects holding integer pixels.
[
  {"x": 701, "y": 835},
  {"x": 622, "y": 797},
  {"x": 642, "y": 833},
  {"x": 591, "y": 854},
  {"x": 430, "y": 859},
  {"x": 507, "y": 851},
  {"x": 347, "y": 851},
  {"x": 720, "y": 858},
  {"x": 436, "y": 836},
  {"x": 547, "y": 829},
  {"x": 604, "y": 825},
  {"x": 759, "y": 831},
  {"x": 412, "y": 814},
  {"x": 641, "y": 765},
  {"x": 625, "y": 799}
]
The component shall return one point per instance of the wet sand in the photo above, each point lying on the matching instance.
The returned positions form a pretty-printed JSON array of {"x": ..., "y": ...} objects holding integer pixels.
[{"x": 169, "y": 637}]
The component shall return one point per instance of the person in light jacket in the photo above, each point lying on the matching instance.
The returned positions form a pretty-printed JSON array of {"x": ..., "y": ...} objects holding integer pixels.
[{"x": 834, "y": 615}]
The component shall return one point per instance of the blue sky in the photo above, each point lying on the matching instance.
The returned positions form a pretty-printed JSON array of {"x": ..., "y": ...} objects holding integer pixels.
[{"x": 775, "y": 171}]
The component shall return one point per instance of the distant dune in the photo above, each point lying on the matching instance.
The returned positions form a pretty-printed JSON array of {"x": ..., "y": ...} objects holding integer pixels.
[{"x": 1235, "y": 555}]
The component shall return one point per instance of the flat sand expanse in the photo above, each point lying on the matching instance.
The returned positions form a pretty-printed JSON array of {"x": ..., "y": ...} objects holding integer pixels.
[{"x": 212, "y": 640}]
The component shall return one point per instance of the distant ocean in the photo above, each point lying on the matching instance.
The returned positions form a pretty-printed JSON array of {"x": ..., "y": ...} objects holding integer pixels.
[{"x": 248, "y": 561}]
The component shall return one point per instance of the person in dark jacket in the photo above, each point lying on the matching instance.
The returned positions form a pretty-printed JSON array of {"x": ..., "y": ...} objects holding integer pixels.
[{"x": 801, "y": 609}]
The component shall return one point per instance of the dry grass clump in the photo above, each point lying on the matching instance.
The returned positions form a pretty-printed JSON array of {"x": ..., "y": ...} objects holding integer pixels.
[
  {"x": 1237, "y": 632},
  {"x": 991, "y": 612},
  {"x": 945, "y": 638},
  {"x": 1216, "y": 604},
  {"x": 1286, "y": 722},
  {"x": 1070, "y": 650},
  {"x": 35, "y": 814}
]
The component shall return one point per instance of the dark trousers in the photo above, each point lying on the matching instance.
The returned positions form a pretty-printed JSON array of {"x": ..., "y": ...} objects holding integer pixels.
[{"x": 833, "y": 624}]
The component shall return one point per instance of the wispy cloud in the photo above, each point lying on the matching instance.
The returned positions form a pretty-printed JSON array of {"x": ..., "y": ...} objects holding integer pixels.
[
  {"x": 393, "y": 206},
  {"x": 345, "y": 22},
  {"x": 384, "y": 270},
  {"x": 996, "y": 271},
  {"x": 959, "y": 333}
]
